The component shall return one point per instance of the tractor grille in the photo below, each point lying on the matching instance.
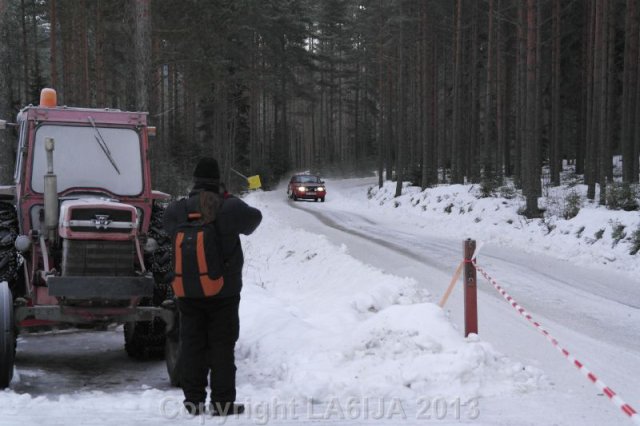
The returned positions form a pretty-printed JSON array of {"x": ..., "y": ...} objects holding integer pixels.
[
  {"x": 97, "y": 258},
  {"x": 83, "y": 220}
]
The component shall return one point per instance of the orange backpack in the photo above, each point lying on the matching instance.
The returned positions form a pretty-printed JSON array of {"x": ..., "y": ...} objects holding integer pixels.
[{"x": 197, "y": 255}]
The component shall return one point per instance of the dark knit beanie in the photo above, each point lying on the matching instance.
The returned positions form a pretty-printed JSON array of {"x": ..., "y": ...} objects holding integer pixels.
[{"x": 207, "y": 168}]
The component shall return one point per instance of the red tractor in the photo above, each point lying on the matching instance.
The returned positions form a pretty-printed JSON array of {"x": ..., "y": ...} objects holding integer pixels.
[{"x": 81, "y": 238}]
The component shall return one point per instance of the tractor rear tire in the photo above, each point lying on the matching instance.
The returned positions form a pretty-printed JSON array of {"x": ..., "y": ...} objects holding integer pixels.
[
  {"x": 7, "y": 336},
  {"x": 145, "y": 339},
  {"x": 9, "y": 264},
  {"x": 159, "y": 261}
]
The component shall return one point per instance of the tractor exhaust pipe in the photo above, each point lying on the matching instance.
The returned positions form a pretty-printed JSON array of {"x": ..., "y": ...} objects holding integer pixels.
[{"x": 50, "y": 193}]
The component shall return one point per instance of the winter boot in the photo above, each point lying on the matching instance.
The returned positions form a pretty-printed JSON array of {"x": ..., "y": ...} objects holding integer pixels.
[{"x": 194, "y": 408}]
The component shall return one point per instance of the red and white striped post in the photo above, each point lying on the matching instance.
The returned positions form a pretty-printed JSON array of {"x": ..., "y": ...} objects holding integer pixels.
[{"x": 470, "y": 289}]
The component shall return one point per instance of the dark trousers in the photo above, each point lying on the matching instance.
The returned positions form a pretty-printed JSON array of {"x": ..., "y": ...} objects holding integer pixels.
[{"x": 209, "y": 329}]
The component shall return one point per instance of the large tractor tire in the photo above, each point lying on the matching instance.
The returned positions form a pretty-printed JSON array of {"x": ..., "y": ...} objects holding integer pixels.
[
  {"x": 159, "y": 261},
  {"x": 146, "y": 339},
  {"x": 8, "y": 233},
  {"x": 7, "y": 336}
]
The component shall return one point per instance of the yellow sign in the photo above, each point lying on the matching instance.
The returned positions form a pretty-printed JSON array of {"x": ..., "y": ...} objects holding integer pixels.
[{"x": 254, "y": 182}]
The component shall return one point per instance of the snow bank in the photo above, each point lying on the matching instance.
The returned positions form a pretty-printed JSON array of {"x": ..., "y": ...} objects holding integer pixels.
[
  {"x": 317, "y": 324},
  {"x": 596, "y": 237}
]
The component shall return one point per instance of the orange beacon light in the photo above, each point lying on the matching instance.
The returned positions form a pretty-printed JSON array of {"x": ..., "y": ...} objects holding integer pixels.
[{"x": 48, "y": 98}]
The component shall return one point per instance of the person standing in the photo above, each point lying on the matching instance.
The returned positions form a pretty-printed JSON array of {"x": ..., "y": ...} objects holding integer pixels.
[{"x": 210, "y": 325}]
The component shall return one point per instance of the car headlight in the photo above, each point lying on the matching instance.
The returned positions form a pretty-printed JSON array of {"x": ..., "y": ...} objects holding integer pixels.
[
  {"x": 321, "y": 188},
  {"x": 302, "y": 188}
]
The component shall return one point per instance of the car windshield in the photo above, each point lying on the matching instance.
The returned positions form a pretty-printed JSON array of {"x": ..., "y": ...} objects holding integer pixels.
[
  {"x": 308, "y": 179},
  {"x": 80, "y": 162}
]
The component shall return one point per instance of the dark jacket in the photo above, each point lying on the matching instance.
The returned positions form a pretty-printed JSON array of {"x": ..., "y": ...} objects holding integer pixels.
[{"x": 233, "y": 218}]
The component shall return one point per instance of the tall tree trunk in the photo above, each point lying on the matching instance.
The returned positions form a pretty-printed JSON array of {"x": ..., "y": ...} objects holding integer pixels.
[
  {"x": 6, "y": 145},
  {"x": 629, "y": 85},
  {"x": 143, "y": 52},
  {"x": 381, "y": 92},
  {"x": 635, "y": 130},
  {"x": 389, "y": 152},
  {"x": 555, "y": 160},
  {"x": 70, "y": 70},
  {"x": 531, "y": 170},
  {"x": 84, "y": 40},
  {"x": 474, "y": 153},
  {"x": 606, "y": 68},
  {"x": 25, "y": 56},
  {"x": 591, "y": 155},
  {"x": 37, "y": 78},
  {"x": 488, "y": 162},
  {"x": 53, "y": 48},
  {"x": 436, "y": 123},
  {"x": 582, "y": 121},
  {"x": 402, "y": 123},
  {"x": 101, "y": 81},
  {"x": 456, "y": 125},
  {"x": 502, "y": 88},
  {"x": 521, "y": 95},
  {"x": 427, "y": 98},
  {"x": 540, "y": 63}
]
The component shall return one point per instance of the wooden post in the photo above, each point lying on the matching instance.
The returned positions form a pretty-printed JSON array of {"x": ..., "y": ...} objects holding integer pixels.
[{"x": 470, "y": 290}]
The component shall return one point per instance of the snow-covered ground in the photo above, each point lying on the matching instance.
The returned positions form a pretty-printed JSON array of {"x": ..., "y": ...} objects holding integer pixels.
[{"x": 339, "y": 322}]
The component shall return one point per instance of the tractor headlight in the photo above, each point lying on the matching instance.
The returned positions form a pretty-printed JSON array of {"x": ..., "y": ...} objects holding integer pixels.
[{"x": 22, "y": 243}]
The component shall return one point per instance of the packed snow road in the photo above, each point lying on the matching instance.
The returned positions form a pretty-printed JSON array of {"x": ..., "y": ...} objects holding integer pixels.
[
  {"x": 594, "y": 313},
  {"x": 583, "y": 299},
  {"x": 80, "y": 360}
]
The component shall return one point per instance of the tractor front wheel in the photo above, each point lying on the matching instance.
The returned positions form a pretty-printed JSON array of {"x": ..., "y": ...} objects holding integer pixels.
[{"x": 7, "y": 336}]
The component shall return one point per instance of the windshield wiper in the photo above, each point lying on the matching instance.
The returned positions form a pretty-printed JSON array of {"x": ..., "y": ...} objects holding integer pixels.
[{"x": 103, "y": 144}]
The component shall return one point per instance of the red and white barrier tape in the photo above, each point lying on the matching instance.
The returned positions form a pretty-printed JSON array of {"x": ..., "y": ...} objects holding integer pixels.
[{"x": 626, "y": 408}]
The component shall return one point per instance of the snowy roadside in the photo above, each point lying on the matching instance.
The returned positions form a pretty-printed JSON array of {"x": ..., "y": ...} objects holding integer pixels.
[
  {"x": 596, "y": 237},
  {"x": 357, "y": 331}
]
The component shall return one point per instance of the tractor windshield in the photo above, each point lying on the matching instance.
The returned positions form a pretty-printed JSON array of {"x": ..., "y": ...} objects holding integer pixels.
[{"x": 80, "y": 162}]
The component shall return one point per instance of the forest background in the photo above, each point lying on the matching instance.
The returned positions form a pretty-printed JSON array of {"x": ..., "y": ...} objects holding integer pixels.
[{"x": 426, "y": 91}]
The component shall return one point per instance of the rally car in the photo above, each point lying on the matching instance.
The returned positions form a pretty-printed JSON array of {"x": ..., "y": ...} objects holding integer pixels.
[{"x": 309, "y": 187}]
